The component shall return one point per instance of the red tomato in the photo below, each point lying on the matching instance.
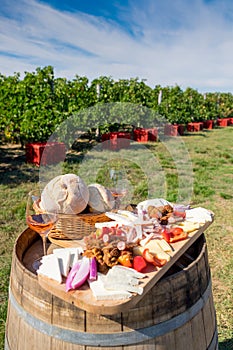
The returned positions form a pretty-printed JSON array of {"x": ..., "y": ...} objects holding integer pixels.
[
  {"x": 175, "y": 234},
  {"x": 176, "y": 231},
  {"x": 166, "y": 235},
  {"x": 139, "y": 263}
]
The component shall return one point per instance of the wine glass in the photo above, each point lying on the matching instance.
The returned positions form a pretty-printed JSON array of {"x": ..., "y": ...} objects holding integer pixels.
[
  {"x": 38, "y": 220},
  {"x": 118, "y": 185}
]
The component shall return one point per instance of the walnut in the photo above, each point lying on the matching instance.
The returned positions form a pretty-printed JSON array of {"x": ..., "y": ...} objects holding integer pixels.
[
  {"x": 164, "y": 220},
  {"x": 94, "y": 252},
  {"x": 111, "y": 255},
  {"x": 102, "y": 267}
]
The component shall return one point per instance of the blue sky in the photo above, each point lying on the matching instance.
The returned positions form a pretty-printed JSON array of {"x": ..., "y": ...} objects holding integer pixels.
[{"x": 183, "y": 42}]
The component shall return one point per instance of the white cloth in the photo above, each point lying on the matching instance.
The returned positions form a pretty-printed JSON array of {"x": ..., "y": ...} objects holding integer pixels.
[{"x": 199, "y": 214}]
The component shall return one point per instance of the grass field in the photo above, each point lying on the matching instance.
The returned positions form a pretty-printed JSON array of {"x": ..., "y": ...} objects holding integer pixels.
[{"x": 211, "y": 153}]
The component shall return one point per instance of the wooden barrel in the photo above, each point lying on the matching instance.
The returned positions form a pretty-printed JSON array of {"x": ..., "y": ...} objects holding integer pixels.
[{"x": 176, "y": 314}]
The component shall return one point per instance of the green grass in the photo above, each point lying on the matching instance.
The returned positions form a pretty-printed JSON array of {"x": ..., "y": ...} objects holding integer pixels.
[{"x": 211, "y": 153}]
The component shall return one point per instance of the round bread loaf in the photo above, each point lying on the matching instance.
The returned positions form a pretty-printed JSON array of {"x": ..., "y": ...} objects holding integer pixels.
[
  {"x": 66, "y": 194},
  {"x": 100, "y": 198}
]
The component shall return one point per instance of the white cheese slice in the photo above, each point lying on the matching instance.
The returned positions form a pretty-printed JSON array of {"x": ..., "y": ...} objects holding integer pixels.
[
  {"x": 122, "y": 286},
  {"x": 63, "y": 256},
  {"x": 75, "y": 254},
  {"x": 101, "y": 293},
  {"x": 121, "y": 278},
  {"x": 50, "y": 268},
  {"x": 126, "y": 271},
  {"x": 44, "y": 258},
  {"x": 120, "y": 218}
]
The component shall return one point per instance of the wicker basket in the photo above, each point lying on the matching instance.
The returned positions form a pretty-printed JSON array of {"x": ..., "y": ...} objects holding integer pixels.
[{"x": 71, "y": 226}]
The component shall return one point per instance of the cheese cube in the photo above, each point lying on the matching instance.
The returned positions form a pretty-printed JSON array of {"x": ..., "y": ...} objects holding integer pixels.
[
  {"x": 50, "y": 268},
  {"x": 63, "y": 256},
  {"x": 75, "y": 255}
]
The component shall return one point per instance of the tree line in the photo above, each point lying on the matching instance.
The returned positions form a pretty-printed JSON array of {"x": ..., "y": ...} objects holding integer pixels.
[{"x": 32, "y": 107}]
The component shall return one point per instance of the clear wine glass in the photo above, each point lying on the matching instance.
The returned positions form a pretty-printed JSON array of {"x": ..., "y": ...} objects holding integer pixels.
[
  {"x": 118, "y": 185},
  {"x": 38, "y": 220}
]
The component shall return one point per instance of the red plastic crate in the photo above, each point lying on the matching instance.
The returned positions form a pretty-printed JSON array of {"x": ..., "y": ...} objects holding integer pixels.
[
  {"x": 170, "y": 130},
  {"x": 145, "y": 135},
  {"x": 42, "y": 153},
  {"x": 222, "y": 122},
  {"x": 181, "y": 129},
  {"x": 140, "y": 135},
  {"x": 116, "y": 140},
  {"x": 201, "y": 125},
  {"x": 208, "y": 124},
  {"x": 152, "y": 134},
  {"x": 193, "y": 127}
]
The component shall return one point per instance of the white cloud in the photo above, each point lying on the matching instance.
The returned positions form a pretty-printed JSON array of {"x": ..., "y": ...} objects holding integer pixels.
[{"x": 171, "y": 42}]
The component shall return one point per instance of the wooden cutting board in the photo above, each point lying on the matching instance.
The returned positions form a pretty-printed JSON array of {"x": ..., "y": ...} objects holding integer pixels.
[
  {"x": 84, "y": 299},
  {"x": 66, "y": 243}
]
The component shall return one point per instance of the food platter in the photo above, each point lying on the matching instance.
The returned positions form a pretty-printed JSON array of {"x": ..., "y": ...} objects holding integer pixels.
[{"x": 83, "y": 297}]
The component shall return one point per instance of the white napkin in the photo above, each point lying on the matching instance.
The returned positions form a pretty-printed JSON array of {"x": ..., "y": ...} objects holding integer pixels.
[{"x": 199, "y": 214}]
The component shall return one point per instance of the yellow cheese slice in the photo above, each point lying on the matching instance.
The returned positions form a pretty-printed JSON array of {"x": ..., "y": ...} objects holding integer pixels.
[
  {"x": 189, "y": 226},
  {"x": 154, "y": 248},
  {"x": 163, "y": 255},
  {"x": 164, "y": 245}
]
